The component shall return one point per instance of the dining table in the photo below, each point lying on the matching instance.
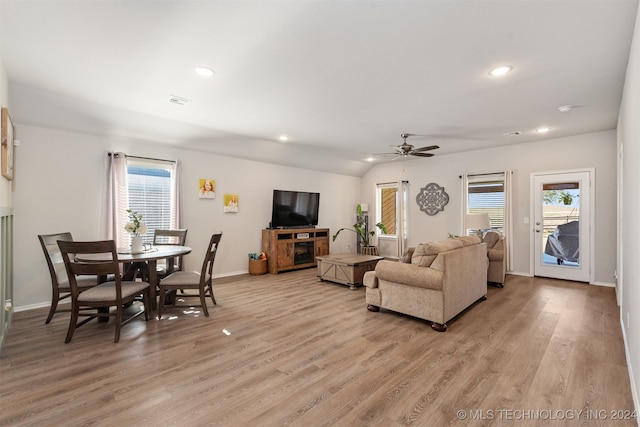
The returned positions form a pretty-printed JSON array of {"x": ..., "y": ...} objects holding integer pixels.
[{"x": 146, "y": 261}]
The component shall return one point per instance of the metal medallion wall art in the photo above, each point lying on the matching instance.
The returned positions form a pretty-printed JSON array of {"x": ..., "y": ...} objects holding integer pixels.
[{"x": 432, "y": 199}]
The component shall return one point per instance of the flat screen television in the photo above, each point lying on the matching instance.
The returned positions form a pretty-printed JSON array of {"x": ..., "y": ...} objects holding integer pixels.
[{"x": 294, "y": 209}]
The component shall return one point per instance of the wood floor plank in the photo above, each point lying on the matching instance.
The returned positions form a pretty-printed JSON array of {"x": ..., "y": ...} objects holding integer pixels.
[{"x": 288, "y": 350}]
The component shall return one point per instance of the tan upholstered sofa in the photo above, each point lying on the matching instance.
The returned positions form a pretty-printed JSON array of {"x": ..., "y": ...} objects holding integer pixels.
[
  {"x": 435, "y": 281},
  {"x": 495, "y": 252}
]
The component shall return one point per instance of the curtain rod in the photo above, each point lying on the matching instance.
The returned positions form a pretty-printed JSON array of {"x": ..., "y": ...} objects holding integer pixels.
[
  {"x": 404, "y": 181},
  {"x": 144, "y": 158},
  {"x": 483, "y": 174}
]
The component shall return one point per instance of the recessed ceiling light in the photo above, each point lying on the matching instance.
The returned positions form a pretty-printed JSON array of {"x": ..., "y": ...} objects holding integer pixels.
[
  {"x": 543, "y": 130},
  {"x": 370, "y": 159},
  {"x": 204, "y": 71},
  {"x": 283, "y": 138},
  {"x": 500, "y": 71},
  {"x": 565, "y": 108}
]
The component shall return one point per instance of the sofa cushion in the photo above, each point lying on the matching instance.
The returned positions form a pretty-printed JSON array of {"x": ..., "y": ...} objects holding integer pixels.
[
  {"x": 407, "y": 275},
  {"x": 469, "y": 240},
  {"x": 425, "y": 253}
]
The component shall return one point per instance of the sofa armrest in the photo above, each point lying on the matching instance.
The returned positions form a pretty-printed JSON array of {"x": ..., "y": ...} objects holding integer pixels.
[
  {"x": 370, "y": 280},
  {"x": 409, "y": 274},
  {"x": 495, "y": 254}
]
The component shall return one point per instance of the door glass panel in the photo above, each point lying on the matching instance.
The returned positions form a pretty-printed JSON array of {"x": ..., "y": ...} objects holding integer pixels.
[{"x": 560, "y": 224}]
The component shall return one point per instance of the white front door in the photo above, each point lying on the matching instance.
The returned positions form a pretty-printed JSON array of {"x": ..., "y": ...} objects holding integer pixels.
[{"x": 561, "y": 224}]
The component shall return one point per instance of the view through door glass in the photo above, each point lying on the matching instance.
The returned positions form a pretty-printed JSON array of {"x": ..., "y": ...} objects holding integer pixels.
[{"x": 560, "y": 224}]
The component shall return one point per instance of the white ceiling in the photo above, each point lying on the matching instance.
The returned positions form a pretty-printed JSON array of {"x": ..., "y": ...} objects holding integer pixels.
[{"x": 343, "y": 79}]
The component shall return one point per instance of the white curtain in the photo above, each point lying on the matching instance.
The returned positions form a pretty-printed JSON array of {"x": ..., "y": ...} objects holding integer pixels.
[
  {"x": 176, "y": 183},
  {"x": 403, "y": 211},
  {"x": 508, "y": 219},
  {"x": 115, "y": 200},
  {"x": 465, "y": 203}
]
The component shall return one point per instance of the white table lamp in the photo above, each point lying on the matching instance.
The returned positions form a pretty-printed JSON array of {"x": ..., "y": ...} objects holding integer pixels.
[{"x": 478, "y": 222}]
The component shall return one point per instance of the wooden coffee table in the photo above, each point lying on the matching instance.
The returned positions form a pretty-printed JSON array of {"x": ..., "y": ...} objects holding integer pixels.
[{"x": 347, "y": 269}]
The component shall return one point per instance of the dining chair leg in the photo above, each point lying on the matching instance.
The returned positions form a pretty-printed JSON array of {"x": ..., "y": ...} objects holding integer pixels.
[
  {"x": 118, "y": 322},
  {"x": 72, "y": 325},
  {"x": 160, "y": 302},
  {"x": 213, "y": 298},
  {"x": 146, "y": 303},
  {"x": 203, "y": 303},
  {"x": 54, "y": 306}
]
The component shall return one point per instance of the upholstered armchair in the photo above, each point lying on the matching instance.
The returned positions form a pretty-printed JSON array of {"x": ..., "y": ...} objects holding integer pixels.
[{"x": 495, "y": 253}]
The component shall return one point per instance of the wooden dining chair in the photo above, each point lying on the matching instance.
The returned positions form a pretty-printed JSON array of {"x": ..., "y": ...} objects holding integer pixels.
[
  {"x": 175, "y": 237},
  {"x": 60, "y": 288},
  {"x": 101, "y": 259},
  {"x": 185, "y": 280}
]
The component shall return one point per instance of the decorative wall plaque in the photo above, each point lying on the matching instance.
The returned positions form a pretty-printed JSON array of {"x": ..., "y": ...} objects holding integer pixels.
[{"x": 432, "y": 199}]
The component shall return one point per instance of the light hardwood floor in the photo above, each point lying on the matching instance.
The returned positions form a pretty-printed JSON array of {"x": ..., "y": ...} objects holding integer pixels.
[{"x": 305, "y": 353}]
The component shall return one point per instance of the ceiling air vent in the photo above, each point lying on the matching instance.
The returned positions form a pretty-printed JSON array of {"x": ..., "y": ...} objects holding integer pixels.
[
  {"x": 178, "y": 100},
  {"x": 514, "y": 133}
]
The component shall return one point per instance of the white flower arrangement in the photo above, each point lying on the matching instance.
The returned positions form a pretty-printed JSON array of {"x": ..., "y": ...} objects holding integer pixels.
[{"x": 135, "y": 226}]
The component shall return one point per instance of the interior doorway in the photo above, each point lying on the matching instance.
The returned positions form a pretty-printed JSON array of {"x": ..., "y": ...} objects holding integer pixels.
[{"x": 561, "y": 224}]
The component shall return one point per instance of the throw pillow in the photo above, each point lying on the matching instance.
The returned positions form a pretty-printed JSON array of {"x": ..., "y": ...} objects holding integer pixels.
[{"x": 408, "y": 254}]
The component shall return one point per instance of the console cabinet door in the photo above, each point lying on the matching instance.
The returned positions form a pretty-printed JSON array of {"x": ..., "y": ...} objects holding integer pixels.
[
  {"x": 322, "y": 247},
  {"x": 285, "y": 254}
]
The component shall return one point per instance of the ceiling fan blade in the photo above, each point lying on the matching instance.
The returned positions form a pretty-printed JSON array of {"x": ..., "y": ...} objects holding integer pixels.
[
  {"x": 422, "y": 154},
  {"x": 431, "y": 147}
]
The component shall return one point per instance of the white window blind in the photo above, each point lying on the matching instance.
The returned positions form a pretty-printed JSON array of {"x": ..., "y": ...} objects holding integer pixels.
[
  {"x": 150, "y": 194},
  {"x": 485, "y": 194}
]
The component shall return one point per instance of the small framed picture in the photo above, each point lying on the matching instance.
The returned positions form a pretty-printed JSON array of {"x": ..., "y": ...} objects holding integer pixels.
[
  {"x": 206, "y": 189},
  {"x": 231, "y": 203},
  {"x": 7, "y": 145}
]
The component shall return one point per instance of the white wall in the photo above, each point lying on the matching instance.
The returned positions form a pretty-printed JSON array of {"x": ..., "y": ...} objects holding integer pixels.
[
  {"x": 629, "y": 139},
  {"x": 597, "y": 150},
  {"x": 58, "y": 187}
]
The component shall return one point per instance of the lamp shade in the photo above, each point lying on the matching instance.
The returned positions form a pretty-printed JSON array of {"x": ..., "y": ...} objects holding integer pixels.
[
  {"x": 364, "y": 207},
  {"x": 478, "y": 221}
]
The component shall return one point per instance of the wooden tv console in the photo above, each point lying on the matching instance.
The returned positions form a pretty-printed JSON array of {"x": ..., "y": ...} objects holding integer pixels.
[{"x": 294, "y": 248}]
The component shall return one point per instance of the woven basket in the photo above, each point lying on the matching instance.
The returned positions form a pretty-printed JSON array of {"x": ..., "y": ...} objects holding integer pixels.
[
  {"x": 370, "y": 250},
  {"x": 257, "y": 266}
]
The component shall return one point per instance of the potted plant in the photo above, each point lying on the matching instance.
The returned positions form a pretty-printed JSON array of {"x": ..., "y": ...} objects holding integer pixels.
[{"x": 360, "y": 228}]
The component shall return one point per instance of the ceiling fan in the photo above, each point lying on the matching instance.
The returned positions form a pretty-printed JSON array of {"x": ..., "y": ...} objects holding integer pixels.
[{"x": 405, "y": 149}]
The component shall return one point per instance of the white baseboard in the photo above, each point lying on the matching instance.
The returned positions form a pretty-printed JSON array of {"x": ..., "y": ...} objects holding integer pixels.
[
  {"x": 34, "y": 306},
  {"x": 233, "y": 273},
  {"x": 634, "y": 392},
  {"x": 605, "y": 284},
  {"x": 519, "y": 273}
]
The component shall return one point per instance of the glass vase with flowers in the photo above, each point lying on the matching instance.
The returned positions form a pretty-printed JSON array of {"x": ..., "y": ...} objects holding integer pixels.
[{"x": 136, "y": 227}]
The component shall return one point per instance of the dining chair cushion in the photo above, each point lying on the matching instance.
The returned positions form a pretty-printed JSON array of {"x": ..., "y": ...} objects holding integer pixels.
[
  {"x": 180, "y": 278},
  {"x": 83, "y": 281},
  {"x": 107, "y": 291}
]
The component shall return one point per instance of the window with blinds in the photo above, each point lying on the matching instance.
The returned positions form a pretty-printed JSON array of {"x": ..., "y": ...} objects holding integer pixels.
[
  {"x": 150, "y": 195},
  {"x": 486, "y": 195}
]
